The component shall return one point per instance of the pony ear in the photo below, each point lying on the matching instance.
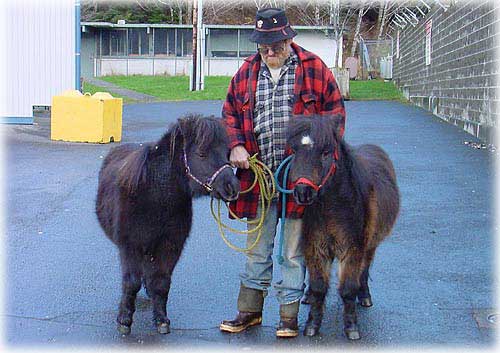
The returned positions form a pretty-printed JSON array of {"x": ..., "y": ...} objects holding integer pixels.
[
  {"x": 335, "y": 121},
  {"x": 188, "y": 126},
  {"x": 183, "y": 125}
]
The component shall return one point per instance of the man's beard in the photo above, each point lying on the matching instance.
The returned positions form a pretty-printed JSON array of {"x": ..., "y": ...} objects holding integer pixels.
[{"x": 275, "y": 62}]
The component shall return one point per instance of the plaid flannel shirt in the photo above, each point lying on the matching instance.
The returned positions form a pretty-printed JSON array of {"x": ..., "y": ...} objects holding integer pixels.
[
  {"x": 273, "y": 108},
  {"x": 315, "y": 92}
]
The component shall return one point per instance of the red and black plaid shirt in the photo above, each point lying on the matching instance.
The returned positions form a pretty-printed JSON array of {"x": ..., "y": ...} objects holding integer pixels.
[{"x": 315, "y": 92}]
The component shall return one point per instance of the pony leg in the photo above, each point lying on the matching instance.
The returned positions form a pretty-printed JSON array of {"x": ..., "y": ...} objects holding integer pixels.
[
  {"x": 131, "y": 284},
  {"x": 364, "y": 296},
  {"x": 158, "y": 278},
  {"x": 350, "y": 269},
  {"x": 319, "y": 281},
  {"x": 306, "y": 298}
]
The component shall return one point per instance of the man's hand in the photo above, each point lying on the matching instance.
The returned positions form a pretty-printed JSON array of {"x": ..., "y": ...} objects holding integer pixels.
[{"x": 239, "y": 157}]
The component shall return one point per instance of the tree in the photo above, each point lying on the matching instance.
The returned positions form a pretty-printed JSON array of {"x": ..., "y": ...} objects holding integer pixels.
[
  {"x": 339, "y": 17},
  {"x": 355, "y": 40}
]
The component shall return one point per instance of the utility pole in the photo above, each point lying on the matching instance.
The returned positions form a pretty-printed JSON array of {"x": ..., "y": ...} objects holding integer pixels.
[
  {"x": 201, "y": 48},
  {"x": 194, "y": 81},
  {"x": 197, "y": 79}
]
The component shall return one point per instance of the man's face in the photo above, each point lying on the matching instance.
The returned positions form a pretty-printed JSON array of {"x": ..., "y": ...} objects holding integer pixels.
[{"x": 275, "y": 54}]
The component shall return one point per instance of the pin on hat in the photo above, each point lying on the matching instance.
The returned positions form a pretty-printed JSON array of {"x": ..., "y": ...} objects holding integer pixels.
[{"x": 271, "y": 25}]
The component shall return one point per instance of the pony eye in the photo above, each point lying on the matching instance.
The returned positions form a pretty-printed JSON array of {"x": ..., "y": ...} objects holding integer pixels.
[
  {"x": 201, "y": 154},
  {"x": 325, "y": 154}
]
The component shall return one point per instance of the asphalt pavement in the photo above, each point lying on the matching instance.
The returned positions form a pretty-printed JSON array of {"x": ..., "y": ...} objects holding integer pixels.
[{"x": 432, "y": 281}]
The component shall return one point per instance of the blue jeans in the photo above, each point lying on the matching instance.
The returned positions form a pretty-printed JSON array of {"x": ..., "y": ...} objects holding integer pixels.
[{"x": 259, "y": 265}]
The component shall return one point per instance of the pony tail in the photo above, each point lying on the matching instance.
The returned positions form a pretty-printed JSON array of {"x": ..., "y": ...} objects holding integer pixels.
[{"x": 132, "y": 172}]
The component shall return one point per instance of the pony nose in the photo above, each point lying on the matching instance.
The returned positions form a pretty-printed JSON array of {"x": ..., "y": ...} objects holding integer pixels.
[
  {"x": 228, "y": 187},
  {"x": 232, "y": 189},
  {"x": 304, "y": 194}
]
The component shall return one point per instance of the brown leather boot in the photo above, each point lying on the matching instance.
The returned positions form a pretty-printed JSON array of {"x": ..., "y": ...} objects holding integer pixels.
[
  {"x": 250, "y": 303},
  {"x": 288, "y": 326},
  {"x": 242, "y": 321}
]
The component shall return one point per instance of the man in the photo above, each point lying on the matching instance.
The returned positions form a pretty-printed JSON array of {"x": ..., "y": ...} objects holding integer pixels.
[{"x": 282, "y": 79}]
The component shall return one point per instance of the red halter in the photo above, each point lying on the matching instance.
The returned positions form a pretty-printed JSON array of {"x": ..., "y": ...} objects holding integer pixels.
[{"x": 331, "y": 171}]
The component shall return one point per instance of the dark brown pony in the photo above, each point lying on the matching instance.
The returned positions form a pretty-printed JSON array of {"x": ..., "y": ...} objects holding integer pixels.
[
  {"x": 352, "y": 203},
  {"x": 144, "y": 205}
]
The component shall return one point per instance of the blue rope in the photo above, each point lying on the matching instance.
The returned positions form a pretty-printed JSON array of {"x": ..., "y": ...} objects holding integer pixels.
[{"x": 284, "y": 192}]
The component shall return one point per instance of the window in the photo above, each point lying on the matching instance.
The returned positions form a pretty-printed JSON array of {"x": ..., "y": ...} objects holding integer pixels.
[
  {"x": 118, "y": 42},
  {"x": 428, "y": 44},
  {"x": 223, "y": 43},
  {"x": 112, "y": 42},
  {"x": 247, "y": 47},
  {"x": 397, "y": 45},
  {"x": 138, "y": 41},
  {"x": 164, "y": 41},
  {"x": 104, "y": 45},
  {"x": 184, "y": 42}
]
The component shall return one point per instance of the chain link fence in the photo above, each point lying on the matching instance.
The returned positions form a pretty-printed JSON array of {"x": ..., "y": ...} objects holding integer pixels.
[{"x": 375, "y": 59}]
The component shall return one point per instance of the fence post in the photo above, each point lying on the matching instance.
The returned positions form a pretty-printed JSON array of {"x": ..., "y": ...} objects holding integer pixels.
[{"x": 342, "y": 77}]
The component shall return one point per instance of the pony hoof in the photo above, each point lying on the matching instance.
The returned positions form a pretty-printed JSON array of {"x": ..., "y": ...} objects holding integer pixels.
[
  {"x": 163, "y": 328},
  {"x": 352, "y": 334},
  {"x": 123, "y": 329},
  {"x": 366, "y": 302},
  {"x": 311, "y": 331}
]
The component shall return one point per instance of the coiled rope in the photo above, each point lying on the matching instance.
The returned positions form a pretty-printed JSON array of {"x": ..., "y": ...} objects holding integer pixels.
[{"x": 265, "y": 179}]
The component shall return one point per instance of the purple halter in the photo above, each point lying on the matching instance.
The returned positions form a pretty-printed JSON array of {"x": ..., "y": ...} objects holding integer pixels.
[{"x": 208, "y": 184}]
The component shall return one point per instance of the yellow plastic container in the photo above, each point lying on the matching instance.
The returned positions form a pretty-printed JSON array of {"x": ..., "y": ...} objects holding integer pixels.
[{"x": 84, "y": 118}]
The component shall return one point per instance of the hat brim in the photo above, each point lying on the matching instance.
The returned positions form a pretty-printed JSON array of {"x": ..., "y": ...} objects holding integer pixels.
[{"x": 272, "y": 37}]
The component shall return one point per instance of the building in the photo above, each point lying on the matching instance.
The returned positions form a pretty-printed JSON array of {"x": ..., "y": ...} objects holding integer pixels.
[
  {"x": 41, "y": 54},
  {"x": 165, "y": 49},
  {"x": 447, "y": 62}
]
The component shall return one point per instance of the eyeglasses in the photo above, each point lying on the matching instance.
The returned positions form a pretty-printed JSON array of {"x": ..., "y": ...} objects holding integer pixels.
[{"x": 276, "y": 48}]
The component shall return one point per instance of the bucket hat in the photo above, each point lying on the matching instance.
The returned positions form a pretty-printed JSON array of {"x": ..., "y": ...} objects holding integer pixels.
[{"x": 271, "y": 25}]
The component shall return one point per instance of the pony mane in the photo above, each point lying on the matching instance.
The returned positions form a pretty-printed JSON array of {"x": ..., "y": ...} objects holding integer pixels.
[
  {"x": 189, "y": 129},
  {"x": 132, "y": 171},
  {"x": 202, "y": 131}
]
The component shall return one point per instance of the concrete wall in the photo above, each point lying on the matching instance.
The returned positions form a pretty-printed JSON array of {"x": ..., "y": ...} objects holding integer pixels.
[
  {"x": 164, "y": 66},
  {"x": 38, "y": 49},
  {"x": 142, "y": 66},
  {"x": 460, "y": 84}
]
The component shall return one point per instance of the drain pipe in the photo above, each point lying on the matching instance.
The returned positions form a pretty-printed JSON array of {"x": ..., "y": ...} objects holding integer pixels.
[
  {"x": 431, "y": 104},
  {"x": 78, "y": 41}
]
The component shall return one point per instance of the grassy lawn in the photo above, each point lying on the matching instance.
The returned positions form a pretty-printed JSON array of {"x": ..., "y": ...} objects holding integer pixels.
[
  {"x": 87, "y": 87},
  {"x": 176, "y": 88},
  {"x": 374, "y": 90},
  {"x": 173, "y": 88}
]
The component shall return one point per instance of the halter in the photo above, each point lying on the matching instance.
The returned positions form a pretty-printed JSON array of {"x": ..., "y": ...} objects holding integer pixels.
[
  {"x": 331, "y": 171},
  {"x": 208, "y": 184}
]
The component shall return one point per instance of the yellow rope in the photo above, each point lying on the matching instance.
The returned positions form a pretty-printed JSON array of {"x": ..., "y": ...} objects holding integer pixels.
[{"x": 265, "y": 179}]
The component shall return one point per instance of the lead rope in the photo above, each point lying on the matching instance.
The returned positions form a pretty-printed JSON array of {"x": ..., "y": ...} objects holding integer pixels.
[
  {"x": 287, "y": 161},
  {"x": 283, "y": 192},
  {"x": 265, "y": 179}
]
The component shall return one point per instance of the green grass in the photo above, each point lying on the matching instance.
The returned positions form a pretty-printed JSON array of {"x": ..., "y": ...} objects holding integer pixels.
[
  {"x": 87, "y": 87},
  {"x": 173, "y": 88},
  {"x": 176, "y": 88},
  {"x": 374, "y": 90}
]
